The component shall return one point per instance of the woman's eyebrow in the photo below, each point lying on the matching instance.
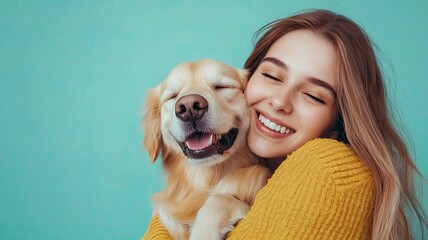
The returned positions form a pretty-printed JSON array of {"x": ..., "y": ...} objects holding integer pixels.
[
  {"x": 322, "y": 84},
  {"x": 275, "y": 61}
]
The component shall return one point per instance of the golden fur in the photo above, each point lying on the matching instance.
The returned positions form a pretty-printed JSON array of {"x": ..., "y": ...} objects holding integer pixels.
[{"x": 203, "y": 197}]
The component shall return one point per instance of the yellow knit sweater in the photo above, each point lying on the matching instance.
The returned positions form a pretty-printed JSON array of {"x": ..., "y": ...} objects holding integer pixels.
[{"x": 321, "y": 191}]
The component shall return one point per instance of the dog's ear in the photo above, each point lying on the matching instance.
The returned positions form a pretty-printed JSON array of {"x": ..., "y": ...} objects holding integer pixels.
[
  {"x": 243, "y": 76},
  {"x": 152, "y": 124}
]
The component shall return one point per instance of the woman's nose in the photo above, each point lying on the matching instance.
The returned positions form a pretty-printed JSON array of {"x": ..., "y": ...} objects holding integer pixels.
[{"x": 280, "y": 100}]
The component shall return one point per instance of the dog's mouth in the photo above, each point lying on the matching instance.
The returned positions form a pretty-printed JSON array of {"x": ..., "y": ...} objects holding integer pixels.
[{"x": 201, "y": 145}]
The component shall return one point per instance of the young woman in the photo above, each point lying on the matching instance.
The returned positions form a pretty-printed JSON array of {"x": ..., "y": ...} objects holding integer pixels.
[{"x": 319, "y": 119}]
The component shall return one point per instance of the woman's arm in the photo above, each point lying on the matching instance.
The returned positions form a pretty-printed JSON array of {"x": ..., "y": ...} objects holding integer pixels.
[{"x": 322, "y": 191}]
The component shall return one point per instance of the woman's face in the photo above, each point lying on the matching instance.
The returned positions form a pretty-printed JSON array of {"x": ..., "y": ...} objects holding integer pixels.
[{"x": 292, "y": 95}]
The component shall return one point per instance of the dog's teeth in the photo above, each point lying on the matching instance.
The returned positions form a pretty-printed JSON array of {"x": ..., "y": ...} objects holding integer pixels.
[
  {"x": 217, "y": 137},
  {"x": 210, "y": 142}
]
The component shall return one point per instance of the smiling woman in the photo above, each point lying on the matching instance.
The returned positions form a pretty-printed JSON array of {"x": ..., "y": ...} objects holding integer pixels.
[
  {"x": 349, "y": 105},
  {"x": 319, "y": 120}
]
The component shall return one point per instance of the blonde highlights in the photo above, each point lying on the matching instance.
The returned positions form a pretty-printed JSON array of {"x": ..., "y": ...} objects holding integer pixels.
[{"x": 364, "y": 121}]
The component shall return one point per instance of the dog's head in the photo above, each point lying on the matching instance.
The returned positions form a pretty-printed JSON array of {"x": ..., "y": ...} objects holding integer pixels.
[{"x": 199, "y": 110}]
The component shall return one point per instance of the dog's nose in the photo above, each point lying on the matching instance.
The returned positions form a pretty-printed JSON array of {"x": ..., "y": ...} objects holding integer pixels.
[{"x": 191, "y": 107}]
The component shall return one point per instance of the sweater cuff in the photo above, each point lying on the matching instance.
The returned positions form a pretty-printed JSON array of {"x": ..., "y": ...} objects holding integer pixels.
[{"x": 156, "y": 230}]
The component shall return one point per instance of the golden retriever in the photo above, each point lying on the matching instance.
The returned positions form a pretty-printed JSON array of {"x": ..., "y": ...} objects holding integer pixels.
[{"x": 197, "y": 120}]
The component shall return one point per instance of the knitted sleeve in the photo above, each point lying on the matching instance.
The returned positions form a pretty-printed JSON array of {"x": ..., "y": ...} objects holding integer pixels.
[
  {"x": 156, "y": 231},
  {"x": 321, "y": 191}
]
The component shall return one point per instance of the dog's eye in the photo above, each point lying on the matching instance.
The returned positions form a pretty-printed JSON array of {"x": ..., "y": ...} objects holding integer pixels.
[
  {"x": 170, "y": 97},
  {"x": 220, "y": 87}
]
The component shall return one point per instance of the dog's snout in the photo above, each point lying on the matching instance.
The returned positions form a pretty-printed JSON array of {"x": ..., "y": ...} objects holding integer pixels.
[{"x": 191, "y": 107}]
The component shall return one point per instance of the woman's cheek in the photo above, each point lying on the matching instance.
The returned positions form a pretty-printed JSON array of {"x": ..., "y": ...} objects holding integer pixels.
[
  {"x": 314, "y": 120},
  {"x": 254, "y": 91}
]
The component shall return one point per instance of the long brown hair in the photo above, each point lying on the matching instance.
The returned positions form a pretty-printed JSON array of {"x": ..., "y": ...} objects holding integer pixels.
[{"x": 364, "y": 121}]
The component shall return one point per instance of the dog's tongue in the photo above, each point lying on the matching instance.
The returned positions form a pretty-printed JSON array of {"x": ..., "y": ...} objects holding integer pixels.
[{"x": 199, "y": 141}]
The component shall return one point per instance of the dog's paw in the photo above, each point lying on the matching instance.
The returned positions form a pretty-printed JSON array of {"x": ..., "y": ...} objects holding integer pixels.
[
  {"x": 239, "y": 213},
  {"x": 217, "y": 217}
]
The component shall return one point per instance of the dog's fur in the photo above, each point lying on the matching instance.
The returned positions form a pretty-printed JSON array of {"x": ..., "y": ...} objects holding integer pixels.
[{"x": 204, "y": 195}]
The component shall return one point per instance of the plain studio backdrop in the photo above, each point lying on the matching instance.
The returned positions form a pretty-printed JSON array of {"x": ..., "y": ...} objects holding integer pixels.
[{"x": 74, "y": 75}]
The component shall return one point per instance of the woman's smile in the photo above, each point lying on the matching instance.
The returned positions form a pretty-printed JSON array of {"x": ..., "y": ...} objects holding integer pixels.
[{"x": 272, "y": 127}]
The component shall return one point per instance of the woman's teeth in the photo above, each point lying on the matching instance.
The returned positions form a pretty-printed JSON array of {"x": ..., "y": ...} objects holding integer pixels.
[{"x": 273, "y": 126}]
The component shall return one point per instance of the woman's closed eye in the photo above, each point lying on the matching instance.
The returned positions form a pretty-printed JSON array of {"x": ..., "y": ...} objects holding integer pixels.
[
  {"x": 314, "y": 98},
  {"x": 270, "y": 76}
]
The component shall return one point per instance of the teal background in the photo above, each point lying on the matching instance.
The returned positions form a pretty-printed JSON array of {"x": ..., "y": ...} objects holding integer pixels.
[{"x": 73, "y": 78}]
